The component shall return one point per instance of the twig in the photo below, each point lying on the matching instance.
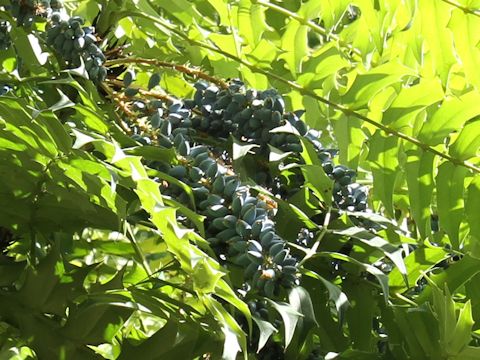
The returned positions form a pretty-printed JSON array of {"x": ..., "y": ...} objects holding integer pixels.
[
  {"x": 131, "y": 237},
  {"x": 475, "y": 12},
  {"x": 122, "y": 106},
  {"x": 181, "y": 68},
  {"x": 406, "y": 299},
  {"x": 143, "y": 92}
]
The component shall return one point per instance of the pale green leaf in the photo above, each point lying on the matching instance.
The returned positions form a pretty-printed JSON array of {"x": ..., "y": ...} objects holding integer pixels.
[
  {"x": 435, "y": 16},
  {"x": 419, "y": 173},
  {"x": 350, "y": 137},
  {"x": 444, "y": 307},
  {"x": 472, "y": 207},
  {"x": 383, "y": 160},
  {"x": 251, "y": 23},
  {"x": 451, "y": 115},
  {"x": 466, "y": 37},
  {"x": 450, "y": 199},
  {"x": 367, "y": 85},
  {"x": 294, "y": 43},
  {"x": 467, "y": 144},
  {"x": 463, "y": 330},
  {"x": 410, "y": 101}
]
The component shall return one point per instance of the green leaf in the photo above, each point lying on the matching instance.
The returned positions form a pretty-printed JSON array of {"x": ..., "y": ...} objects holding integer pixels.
[
  {"x": 359, "y": 316},
  {"x": 350, "y": 139},
  {"x": 463, "y": 330},
  {"x": 468, "y": 353},
  {"x": 367, "y": 85},
  {"x": 156, "y": 153},
  {"x": 266, "y": 330},
  {"x": 235, "y": 339},
  {"x": 452, "y": 114},
  {"x": 97, "y": 320},
  {"x": 424, "y": 328},
  {"x": 419, "y": 171},
  {"x": 434, "y": 20},
  {"x": 294, "y": 43},
  {"x": 239, "y": 149},
  {"x": 335, "y": 294},
  {"x": 172, "y": 341},
  {"x": 468, "y": 142},
  {"x": 394, "y": 253},
  {"x": 472, "y": 207},
  {"x": 417, "y": 262},
  {"x": 300, "y": 300},
  {"x": 454, "y": 276},
  {"x": 410, "y": 101},
  {"x": 40, "y": 281},
  {"x": 289, "y": 316},
  {"x": 465, "y": 36},
  {"x": 450, "y": 189},
  {"x": 383, "y": 159},
  {"x": 324, "y": 62},
  {"x": 188, "y": 190},
  {"x": 224, "y": 291},
  {"x": 205, "y": 277},
  {"x": 251, "y": 22},
  {"x": 309, "y": 155},
  {"x": 318, "y": 182},
  {"x": 183, "y": 10},
  {"x": 377, "y": 273},
  {"x": 444, "y": 307},
  {"x": 28, "y": 48},
  {"x": 196, "y": 218}
]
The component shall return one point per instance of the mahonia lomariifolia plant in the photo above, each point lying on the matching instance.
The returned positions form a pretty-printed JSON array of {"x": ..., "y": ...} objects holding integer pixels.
[{"x": 239, "y": 211}]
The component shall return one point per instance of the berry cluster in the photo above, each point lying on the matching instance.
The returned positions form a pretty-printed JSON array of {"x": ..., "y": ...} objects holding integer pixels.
[
  {"x": 238, "y": 224},
  {"x": 259, "y": 117},
  {"x": 26, "y": 11},
  {"x": 77, "y": 43},
  {"x": 238, "y": 221}
]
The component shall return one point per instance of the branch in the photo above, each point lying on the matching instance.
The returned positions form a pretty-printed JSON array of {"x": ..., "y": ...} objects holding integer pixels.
[{"x": 180, "y": 68}]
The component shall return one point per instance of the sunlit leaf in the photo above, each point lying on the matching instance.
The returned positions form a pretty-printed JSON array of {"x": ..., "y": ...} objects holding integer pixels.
[{"x": 450, "y": 180}]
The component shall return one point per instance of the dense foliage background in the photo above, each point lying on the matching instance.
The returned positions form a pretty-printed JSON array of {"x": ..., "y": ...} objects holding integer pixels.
[{"x": 160, "y": 201}]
